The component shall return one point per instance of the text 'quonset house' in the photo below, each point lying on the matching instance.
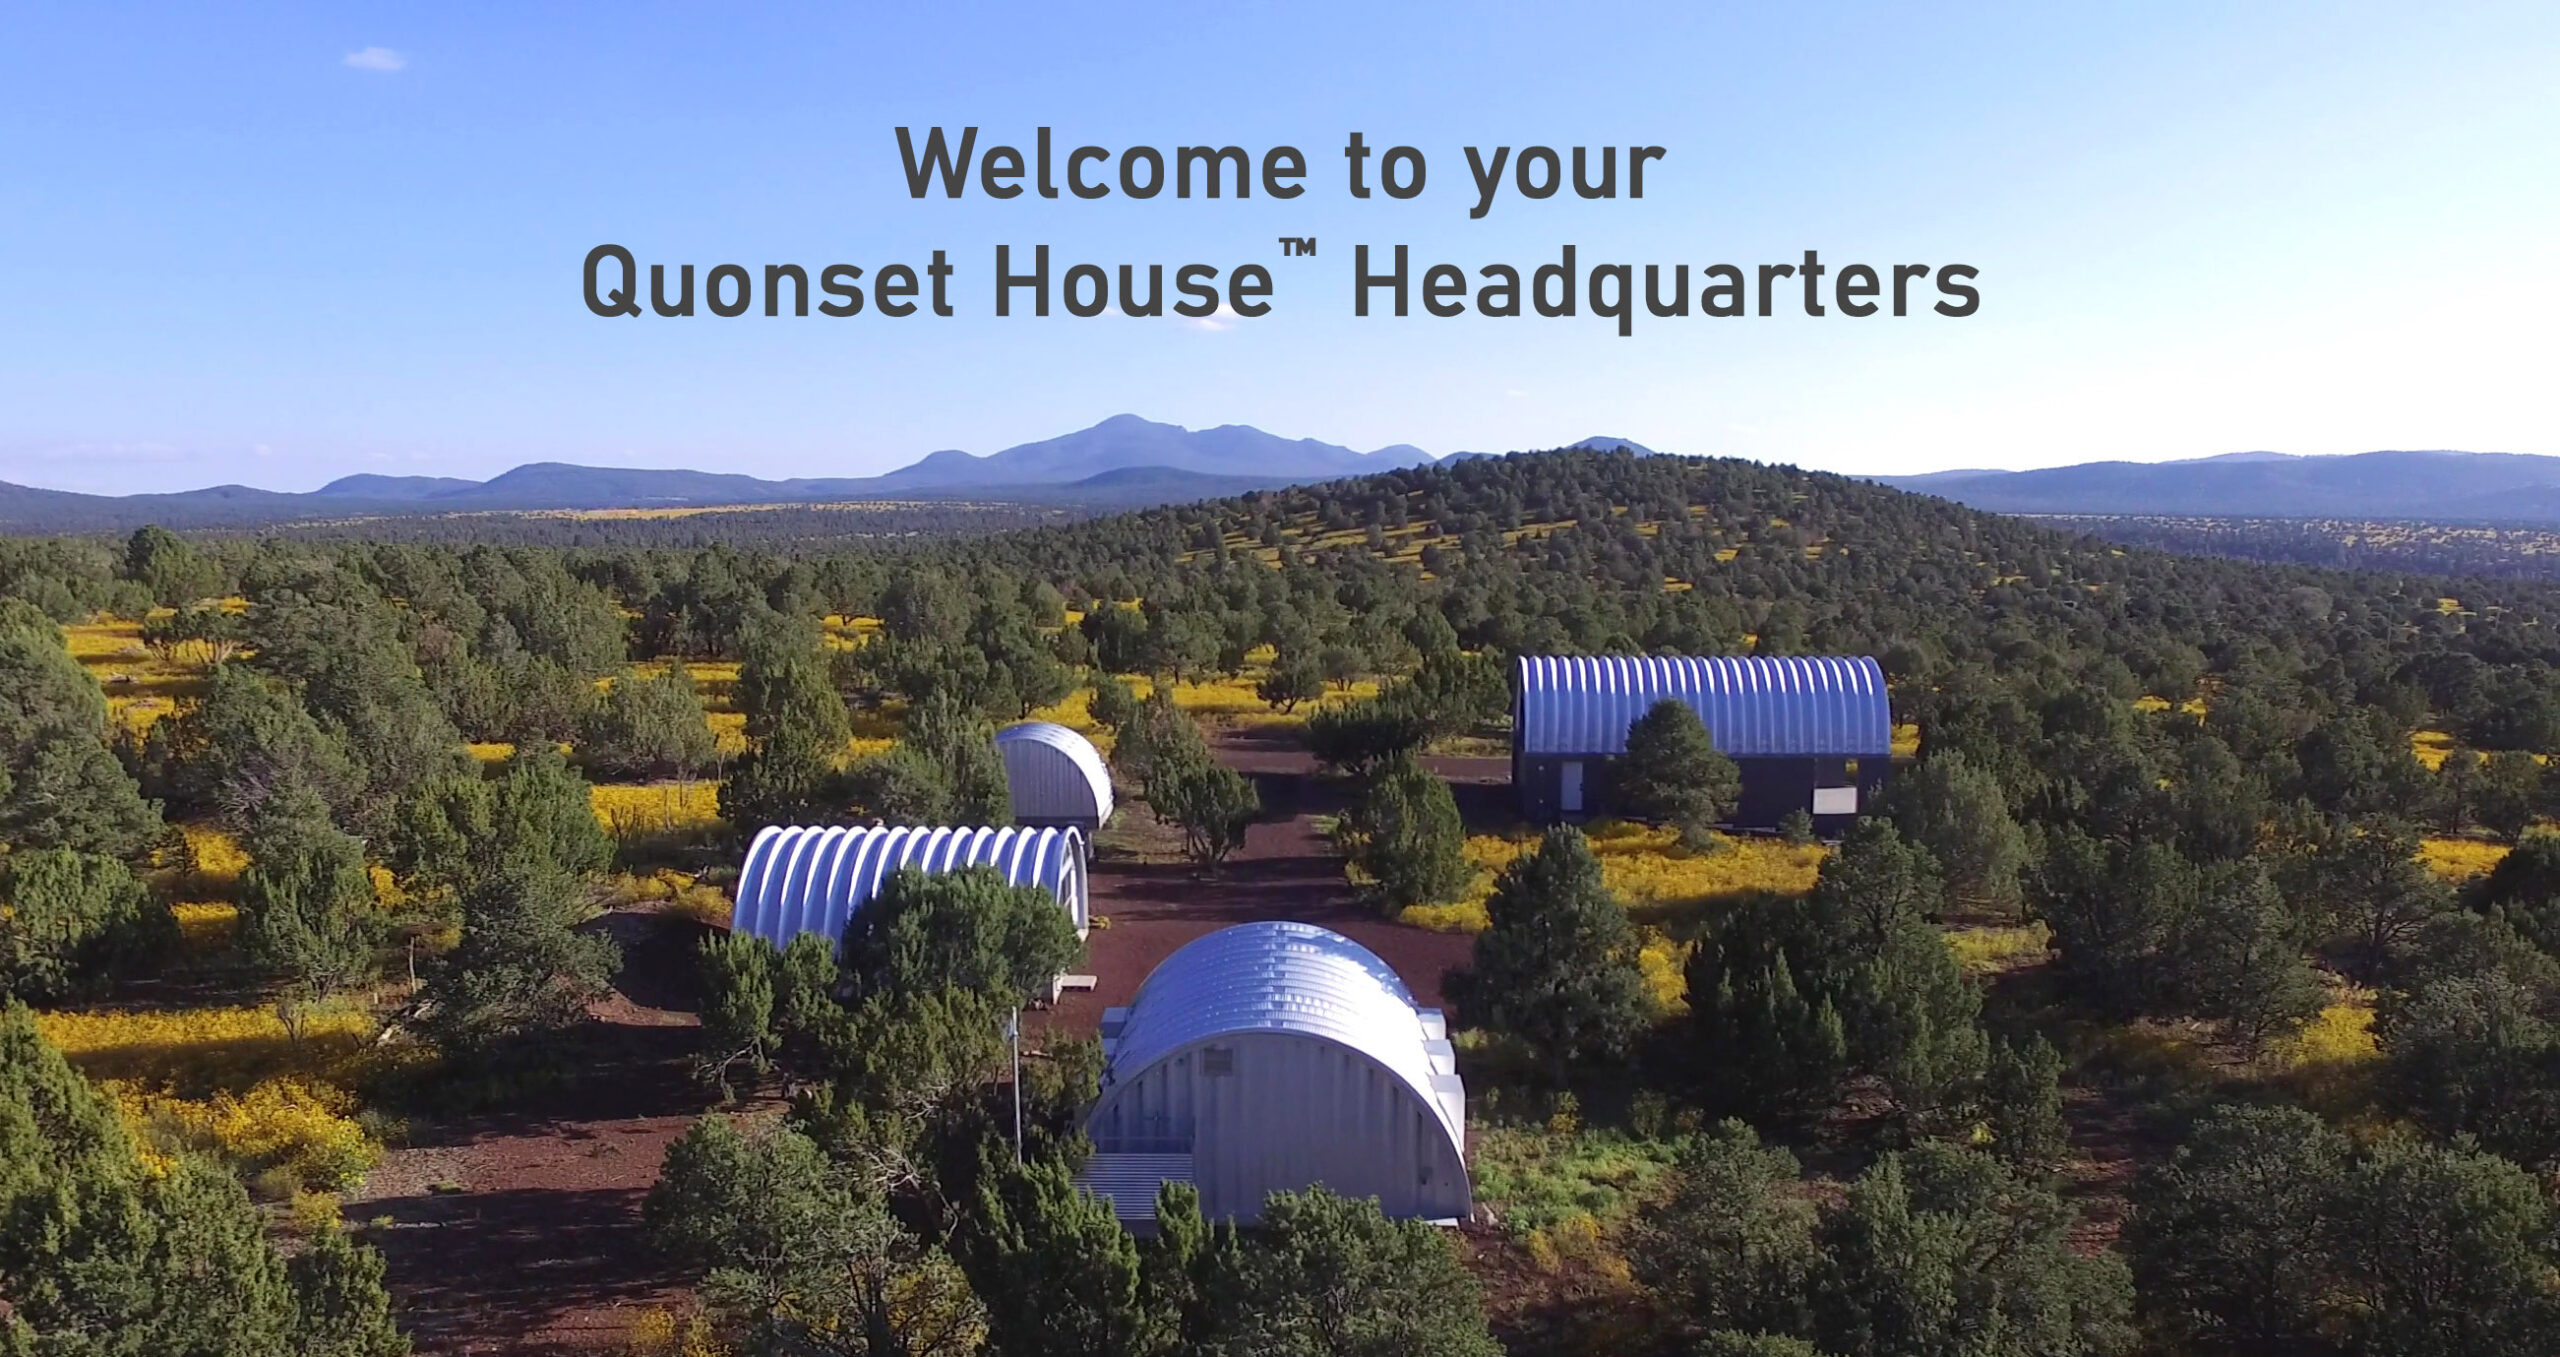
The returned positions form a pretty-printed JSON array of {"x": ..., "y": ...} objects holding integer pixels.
[
  {"x": 1273, "y": 1057},
  {"x": 1808, "y": 732}
]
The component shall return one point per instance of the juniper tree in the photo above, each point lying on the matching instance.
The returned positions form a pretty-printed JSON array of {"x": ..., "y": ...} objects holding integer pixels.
[
  {"x": 60, "y": 784},
  {"x": 966, "y": 930},
  {"x": 69, "y": 921},
  {"x": 649, "y": 727},
  {"x": 1960, "y": 814},
  {"x": 308, "y": 909}
]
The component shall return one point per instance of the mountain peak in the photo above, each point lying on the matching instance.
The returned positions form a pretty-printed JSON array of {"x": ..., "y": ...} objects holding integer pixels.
[{"x": 1126, "y": 442}]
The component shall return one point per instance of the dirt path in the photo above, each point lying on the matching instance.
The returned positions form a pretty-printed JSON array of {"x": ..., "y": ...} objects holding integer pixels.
[
  {"x": 520, "y": 1232},
  {"x": 1287, "y": 869}
]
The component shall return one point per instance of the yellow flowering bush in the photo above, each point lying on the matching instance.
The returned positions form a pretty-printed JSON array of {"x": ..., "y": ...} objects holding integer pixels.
[
  {"x": 219, "y": 861},
  {"x": 2330, "y": 1062},
  {"x": 287, "y": 1129}
]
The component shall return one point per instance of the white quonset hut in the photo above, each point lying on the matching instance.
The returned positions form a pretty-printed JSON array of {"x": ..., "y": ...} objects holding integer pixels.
[
  {"x": 1055, "y": 776},
  {"x": 1808, "y": 732},
  {"x": 810, "y": 880},
  {"x": 1272, "y": 1057}
]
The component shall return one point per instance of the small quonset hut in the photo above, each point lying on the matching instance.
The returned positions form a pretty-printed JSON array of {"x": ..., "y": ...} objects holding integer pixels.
[
  {"x": 1809, "y": 732},
  {"x": 1271, "y": 1057},
  {"x": 811, "y": 880},
  {"x": 1055, "y": 777}
]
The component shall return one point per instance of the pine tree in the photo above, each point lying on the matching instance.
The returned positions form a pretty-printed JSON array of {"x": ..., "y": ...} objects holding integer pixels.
[
  {"x": 737, "y": 971},
  {"x": 522, "y": 972},
  {"x": 1404, "y": 832},
  {"x": 1556, "y": 966},
  {"x": 649, "y": 727},
  {"x": 1324, "y": 1276},
  {"x": 1057, "y": 1272},
  {"x": 1293, "y": 679},
  {"x": 959, "y": 743},
  {"x": 2022, "y": 1102},
  {"x": 800, "y": 1259},
  {"x": 1673, "y": 774},
  {"x": 926, "y": 932},
  {"x": 1944, "y": 1250},
  {"x": 1731, "y": 1248}
]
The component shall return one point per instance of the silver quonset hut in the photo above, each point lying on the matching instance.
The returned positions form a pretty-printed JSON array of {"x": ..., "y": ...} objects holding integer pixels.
[
  {"x": 1055, "y": 777},
  {"x": 808, "y": 880},
  {"x": 1272, "y": 1057},
  {"x": 1809, "y": 732}
]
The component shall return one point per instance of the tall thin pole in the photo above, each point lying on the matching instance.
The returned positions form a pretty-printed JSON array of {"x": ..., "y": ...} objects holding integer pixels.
[{"x": 1013, "y": 1032}]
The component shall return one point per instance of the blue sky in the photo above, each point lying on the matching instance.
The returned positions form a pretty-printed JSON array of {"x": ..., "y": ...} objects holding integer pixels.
[{"x": 280, "y": 246}]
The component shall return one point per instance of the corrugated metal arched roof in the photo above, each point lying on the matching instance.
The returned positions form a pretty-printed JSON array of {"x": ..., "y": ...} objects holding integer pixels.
[
  {"x": 1756, "y": 706},
  {"x": 1285, "y": 977},
  {"x": 801, "y": 879},
  {"x": 1053, "y": 773}
]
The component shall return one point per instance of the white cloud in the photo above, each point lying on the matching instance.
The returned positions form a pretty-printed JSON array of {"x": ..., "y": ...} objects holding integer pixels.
[
  {"x": 377, "y": 59},
  {"x": 1224, "y": 318}
]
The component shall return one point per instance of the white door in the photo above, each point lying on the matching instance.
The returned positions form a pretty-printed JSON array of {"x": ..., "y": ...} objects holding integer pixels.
[{"x": 1569, "y": 795}]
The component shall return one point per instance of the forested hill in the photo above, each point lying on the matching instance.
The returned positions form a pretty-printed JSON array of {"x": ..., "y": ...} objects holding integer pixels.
[
  {"x": 2196, "y": 879},
  {"x": 1601, "y": 552}
]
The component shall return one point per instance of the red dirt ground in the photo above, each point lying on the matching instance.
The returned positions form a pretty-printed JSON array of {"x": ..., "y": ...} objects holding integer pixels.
[
  {"x": 1286, "y": 870},
  {"x": 520, "y": 1232}
]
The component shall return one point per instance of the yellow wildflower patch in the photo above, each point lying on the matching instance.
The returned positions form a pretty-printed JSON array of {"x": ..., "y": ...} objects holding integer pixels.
[
  {"x": 219, "y": 861},
  {"x": 196, "y": 1051},
  {"x": 304, "y": 1128},
  {"x": 2460, "y": 859},
  {"x": 2430, "y": 747},
  {"x": 1658, "y": 880},
  {"x": 206, "y": 926},
  {"x": 1991, "y": 950},
  {"x": 2330, "y": 1062},
  {"x": 639, "y": 810}
]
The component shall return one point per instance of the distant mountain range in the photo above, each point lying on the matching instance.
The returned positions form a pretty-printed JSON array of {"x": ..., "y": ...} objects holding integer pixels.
[
  {"x": 2435, "y": 486},
  {"x": 1128, "y": 462},
  {"x": 1123, "y": 462}
]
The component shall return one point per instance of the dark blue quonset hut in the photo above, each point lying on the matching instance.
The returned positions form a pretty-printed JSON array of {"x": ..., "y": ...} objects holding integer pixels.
[{"x": 1809, "y": 732}]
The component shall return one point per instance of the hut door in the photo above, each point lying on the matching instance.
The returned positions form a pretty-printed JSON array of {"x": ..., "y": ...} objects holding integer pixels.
[{"x": 1569, "y": 791}]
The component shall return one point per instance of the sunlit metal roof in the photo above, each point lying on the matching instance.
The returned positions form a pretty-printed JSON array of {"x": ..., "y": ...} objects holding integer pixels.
[
  {"x": 1054, "y": 774},
  {"x": 1293, "y": 978},
  {"x": 800, "y": 879},
  {"x": 1756, "y": 706}
]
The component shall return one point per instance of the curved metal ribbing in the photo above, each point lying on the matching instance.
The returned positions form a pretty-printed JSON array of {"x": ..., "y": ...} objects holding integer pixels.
[
  {"x": 801, "y": 879},
  {"x": 1756, "y": 706},
  {"x": 1053, "y": 773},
  {"x": 1281, "y": 977}
]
